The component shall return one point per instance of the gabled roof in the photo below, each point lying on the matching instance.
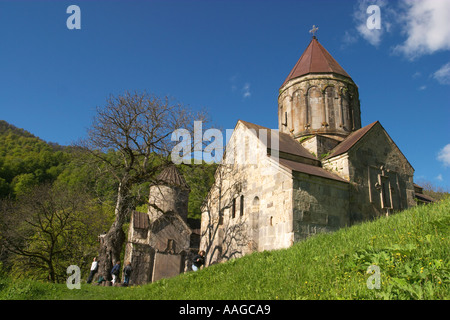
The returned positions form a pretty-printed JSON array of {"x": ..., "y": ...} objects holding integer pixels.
[
  {"x": 168, "y": 218},
  {"x": 315, "y": 59},
  {"x": 286, "y": 143},
  {"x": 423, "y": 197},
  {"x": 311, "y": 170},
  {"x": 355, "y": 137},
  {"x": 419, "y": 195},
  {"x": 351, "y": 140}
]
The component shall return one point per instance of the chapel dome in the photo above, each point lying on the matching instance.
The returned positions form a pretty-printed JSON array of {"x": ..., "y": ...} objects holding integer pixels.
[
  {"x": 318, "y": 97},
  {"x": 315, "y": 59}
]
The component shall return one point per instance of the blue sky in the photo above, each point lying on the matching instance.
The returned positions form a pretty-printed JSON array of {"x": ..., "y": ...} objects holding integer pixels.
[{"x": 229, "y": 57}]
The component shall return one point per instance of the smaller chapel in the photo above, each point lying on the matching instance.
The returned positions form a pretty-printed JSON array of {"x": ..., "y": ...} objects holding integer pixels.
[
  {"x": 162, "y": 241},
  {"x": 329, "y": 171}
]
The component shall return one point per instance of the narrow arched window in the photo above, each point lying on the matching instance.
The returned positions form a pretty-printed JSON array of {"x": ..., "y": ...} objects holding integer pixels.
[
  {"x": 241, "y": 211},
  {"x": 233, "y": 208},
  {"x": 330, "y": 107},
  {"x": 315, "y": 104}
]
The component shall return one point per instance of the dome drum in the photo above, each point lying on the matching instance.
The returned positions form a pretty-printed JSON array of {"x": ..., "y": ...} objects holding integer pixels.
[{"x": 319, "y": 104}]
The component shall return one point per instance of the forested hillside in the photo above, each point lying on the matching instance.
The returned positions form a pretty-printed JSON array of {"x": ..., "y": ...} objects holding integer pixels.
[
  {"x": 26, "y": 161},
  {"x": 55, "y": 201}
]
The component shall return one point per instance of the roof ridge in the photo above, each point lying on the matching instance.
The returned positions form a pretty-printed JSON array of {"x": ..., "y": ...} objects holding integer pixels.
[
  {"x": 286, "y": 143},
  {"x": 325, "y": 53},
  {"x": 312, "y": 53},
  {"x": 352, "y": 139}
]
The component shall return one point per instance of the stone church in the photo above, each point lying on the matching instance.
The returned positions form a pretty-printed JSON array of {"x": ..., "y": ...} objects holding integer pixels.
[
  {"x": 320, "y": 171},
  {"x": 162, "y": 240}
]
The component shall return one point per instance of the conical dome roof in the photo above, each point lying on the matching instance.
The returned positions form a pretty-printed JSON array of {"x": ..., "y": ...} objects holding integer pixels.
[
  {"x": 172, "y": 177},
  {"x": 315, "y": 59}
]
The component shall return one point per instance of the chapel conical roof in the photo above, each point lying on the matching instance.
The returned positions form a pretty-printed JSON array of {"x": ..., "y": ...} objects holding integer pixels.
[
  {"x": 172, "y": 177},
  {"x": 315, "y": 59}
]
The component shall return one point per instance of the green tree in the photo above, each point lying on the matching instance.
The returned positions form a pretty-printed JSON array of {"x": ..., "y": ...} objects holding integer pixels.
[
  {"x": 23, "y": 183},
  {"x": 200, "y": 178},
  {"x": 4, "y": 188},
  {"x": 49, "y": 229}
]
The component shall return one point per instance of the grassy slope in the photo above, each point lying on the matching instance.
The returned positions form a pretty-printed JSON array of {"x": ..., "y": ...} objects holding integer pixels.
[{"x": 411, "y": 248}]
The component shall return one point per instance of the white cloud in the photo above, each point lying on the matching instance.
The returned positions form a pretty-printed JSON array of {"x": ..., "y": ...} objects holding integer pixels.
[
  {"x": 372, "y": 36},
  {"x": 360, "y": 16},
  {"x": 426, "y": 25},
  {"x": 443, "y": 74},
  {"x": 421, "y": 88},
  {"x": 349, "y": 38},
  {"x": 233, "y": 82},
  {"x": 246, "y": 90},
  {"x": 363, "y": 17},
  {"x": 439, "y": 177},
  {"x": 444, "y": 155}
]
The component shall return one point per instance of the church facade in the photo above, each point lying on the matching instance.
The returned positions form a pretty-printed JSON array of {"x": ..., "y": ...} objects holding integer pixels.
[{"x": 320, "y": 171}]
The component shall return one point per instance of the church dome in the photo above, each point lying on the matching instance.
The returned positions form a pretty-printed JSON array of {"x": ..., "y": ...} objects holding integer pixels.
[
  {"x": 172, "y": 177},
  {"x": 169, "y": 194},
  {"x": 315, "y": 59},
  {"x": 318, "y": 97}
]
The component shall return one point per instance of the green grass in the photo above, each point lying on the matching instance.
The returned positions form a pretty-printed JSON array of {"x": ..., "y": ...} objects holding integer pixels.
[{"x": 411, "y": 248}]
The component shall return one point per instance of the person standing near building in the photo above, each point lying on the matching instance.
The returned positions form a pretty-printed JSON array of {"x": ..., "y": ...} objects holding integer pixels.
[
  {"x": 127, "y": 273},
  {"x": 115, "y": 272},
  {"x": 198, "y": 261},
  {"x": 94, "y": 269}
]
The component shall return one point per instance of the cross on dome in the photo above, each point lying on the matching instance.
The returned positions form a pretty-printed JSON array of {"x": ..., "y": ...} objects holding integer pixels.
[{"x": 314, "y": 30}]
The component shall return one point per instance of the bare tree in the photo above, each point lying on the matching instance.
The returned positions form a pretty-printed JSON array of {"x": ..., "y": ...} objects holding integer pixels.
[
  {"x": 131, "y": 137},
  {"x": 435, "y": 192},
  {"x": 224, "y": 237}
]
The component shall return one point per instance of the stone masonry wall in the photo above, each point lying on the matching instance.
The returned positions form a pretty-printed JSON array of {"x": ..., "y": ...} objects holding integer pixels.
[
  {"x": 381, "y": 178},
  {"x": 265, "y": 190},
  {"x": 320, "y": 205},
  {"x": 374, "y": 156}
]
